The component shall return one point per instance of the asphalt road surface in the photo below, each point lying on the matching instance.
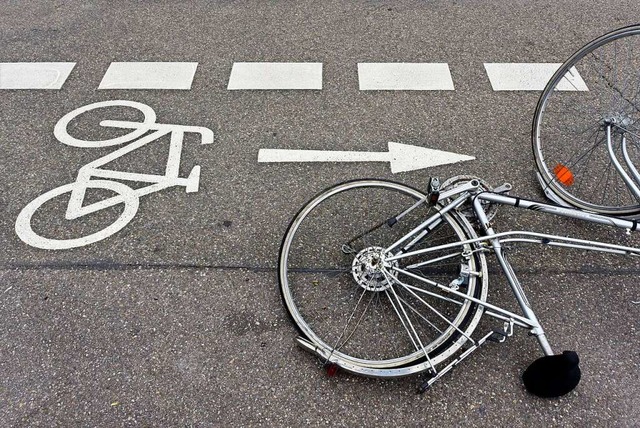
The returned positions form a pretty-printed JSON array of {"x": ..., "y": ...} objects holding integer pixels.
[{"x": 176, "y": 319}]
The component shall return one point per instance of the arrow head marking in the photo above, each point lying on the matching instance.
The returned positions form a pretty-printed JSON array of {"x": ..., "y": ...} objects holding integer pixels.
[{"x": 405, "y": 157}]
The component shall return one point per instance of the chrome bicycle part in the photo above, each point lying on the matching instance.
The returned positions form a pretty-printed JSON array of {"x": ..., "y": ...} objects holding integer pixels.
[
  {"x": 586, "y": 128},
  {"x": 348, "y": 300},
  {"x": 369, "y": 269},
  {"x": 466, "y": 209}
]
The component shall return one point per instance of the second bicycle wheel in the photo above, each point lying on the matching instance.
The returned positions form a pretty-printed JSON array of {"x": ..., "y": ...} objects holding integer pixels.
[
  {"x": 359, "y": 310},
  {"x": 597, "y": 88}
]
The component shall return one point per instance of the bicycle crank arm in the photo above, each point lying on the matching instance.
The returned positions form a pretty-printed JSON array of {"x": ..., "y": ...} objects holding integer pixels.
[{"x": 505, "y": 188}]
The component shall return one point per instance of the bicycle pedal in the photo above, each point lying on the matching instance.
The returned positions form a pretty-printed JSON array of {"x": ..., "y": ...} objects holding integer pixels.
[
  {"x": 497, "y": 337},
  {"x": 424, "y": 387}
]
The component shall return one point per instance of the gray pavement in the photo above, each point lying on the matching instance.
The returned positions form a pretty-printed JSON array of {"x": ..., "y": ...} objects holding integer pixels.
[{"x": 176, "y": 320}]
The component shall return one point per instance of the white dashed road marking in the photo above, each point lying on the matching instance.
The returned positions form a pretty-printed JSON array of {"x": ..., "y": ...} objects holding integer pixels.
[
  {"x": 530, "y": 77},
  {"x": 395, "y": 76},
  {"x": 149, "y": 75},
  {"x": 276, "y": 75},
  {"x": 402, "y": 76},
  {"x": 34, "y": 75}
]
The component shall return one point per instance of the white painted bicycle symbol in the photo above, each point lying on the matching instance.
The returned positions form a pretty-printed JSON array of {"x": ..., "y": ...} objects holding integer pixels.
[{"x": 93, "y": 176}]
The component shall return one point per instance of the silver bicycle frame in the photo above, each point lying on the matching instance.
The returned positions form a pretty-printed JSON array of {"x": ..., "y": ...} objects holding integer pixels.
[
  {"x": 493, "y": 241},
  {"x": 633, "y": 188}
]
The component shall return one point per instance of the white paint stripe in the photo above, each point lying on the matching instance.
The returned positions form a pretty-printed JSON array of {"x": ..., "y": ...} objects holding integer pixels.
[
  {"x": 283, "y": 155},
  {"x": 149, "y": 75},
  {"x": 275, "y": 75},
  {"x": 402, "y": 157},
  {"x": 402, "y": 76},
  {"x": 530, "y": 77},
  {"x": 34, "y": 75}
]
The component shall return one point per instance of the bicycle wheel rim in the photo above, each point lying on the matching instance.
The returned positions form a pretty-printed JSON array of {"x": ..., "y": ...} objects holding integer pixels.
[
  {"x": 569, "y": 134},
  {"x": 355, "y": 327}
]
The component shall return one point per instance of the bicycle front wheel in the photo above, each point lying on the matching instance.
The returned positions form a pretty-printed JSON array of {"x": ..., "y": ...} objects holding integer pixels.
[
  {"x": 372, "y": 316},
  {"x": 597, "y": 89}
]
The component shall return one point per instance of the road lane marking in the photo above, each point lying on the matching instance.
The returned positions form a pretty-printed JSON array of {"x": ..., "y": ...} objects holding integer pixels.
[
  {"x": 34, "y": 75},
  {"x": 530, "y": 77},
  {"x": 402, "y": 157},
  {"x": 275, "y": 75},
  {"x": 149, "y": 75},
  {"x": 288, "y": 75},
  {"x": 401, "y": 76}
]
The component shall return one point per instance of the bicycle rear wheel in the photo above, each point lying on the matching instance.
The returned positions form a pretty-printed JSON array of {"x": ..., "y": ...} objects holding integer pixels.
[
  {"x": 365, "y": 318},
  {"x": 598, "y": 87}
]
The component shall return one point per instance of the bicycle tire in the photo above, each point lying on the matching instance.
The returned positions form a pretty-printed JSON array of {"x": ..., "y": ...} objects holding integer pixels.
[
  {"x": 569, "y": 127},
  {"x": 62, "y": 134},
  {"x": 321, "y": 286},
  {"x": 26, "y": 233}
]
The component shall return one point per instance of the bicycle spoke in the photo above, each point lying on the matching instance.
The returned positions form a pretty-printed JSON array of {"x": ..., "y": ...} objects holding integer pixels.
[
  {"x": 402, "y": 321},
  {"x": 343, "y": 300},
  {"x": 339, "y": 345},
  {"x": 415, "y": 311},
  {"x": 431, "y": 308}
]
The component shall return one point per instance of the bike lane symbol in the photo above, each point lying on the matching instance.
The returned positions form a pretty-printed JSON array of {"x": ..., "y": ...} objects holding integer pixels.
[{"x": 94, "y": 176}]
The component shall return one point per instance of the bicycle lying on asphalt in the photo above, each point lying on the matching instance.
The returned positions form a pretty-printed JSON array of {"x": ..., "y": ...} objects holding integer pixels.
[{"x": 385, "y": 280}]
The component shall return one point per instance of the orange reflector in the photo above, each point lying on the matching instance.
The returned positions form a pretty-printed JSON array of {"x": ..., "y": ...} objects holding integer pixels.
[{"x": 563, "y": 174}]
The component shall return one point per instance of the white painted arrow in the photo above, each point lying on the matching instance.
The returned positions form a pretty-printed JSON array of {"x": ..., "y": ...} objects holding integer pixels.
[{"x": 403, "y": 157}]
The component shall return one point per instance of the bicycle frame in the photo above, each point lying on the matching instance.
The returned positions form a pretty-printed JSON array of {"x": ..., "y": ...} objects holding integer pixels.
[
  {"x": 170, "y": 178},
  {"x": 492, "y": 241},
  {"x": 632, "y": 183}
]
